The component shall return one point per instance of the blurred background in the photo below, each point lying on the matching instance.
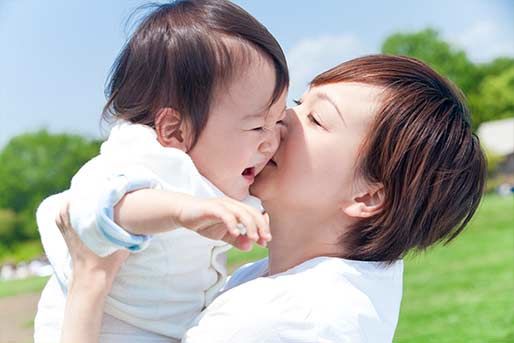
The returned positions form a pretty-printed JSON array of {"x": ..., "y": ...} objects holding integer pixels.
[{"x": 54, "y": 61}]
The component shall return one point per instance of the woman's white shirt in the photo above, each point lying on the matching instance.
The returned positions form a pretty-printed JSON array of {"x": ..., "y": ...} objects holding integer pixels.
[{"x": 325, "y": 299}]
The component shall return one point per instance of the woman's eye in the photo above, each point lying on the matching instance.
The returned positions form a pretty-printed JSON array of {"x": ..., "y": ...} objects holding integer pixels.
[
  {"x": 313, "y": 119},
  {"x": 297, "y": 101}
]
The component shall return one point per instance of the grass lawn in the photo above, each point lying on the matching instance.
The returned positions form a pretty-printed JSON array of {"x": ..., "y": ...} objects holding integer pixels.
[
  {"x": 15, "y": 287},
  {"x": 464, "y": 292},
  {"x": 460, "y": 293}
]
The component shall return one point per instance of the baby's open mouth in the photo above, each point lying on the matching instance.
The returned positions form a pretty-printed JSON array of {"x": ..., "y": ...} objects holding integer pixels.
[{"x": 249, "y": 173}]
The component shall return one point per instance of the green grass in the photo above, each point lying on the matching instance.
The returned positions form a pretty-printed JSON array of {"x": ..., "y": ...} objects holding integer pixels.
[
  {"x": 15, "y": 287},
  {"x": 463, "y": 292},
  {"x": 236, "y": 258}
]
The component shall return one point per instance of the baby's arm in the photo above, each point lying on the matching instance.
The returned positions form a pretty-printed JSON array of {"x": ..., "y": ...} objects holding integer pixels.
[
  {"x": 150, "y": 211},
  {"x": 125, "y": 209}
]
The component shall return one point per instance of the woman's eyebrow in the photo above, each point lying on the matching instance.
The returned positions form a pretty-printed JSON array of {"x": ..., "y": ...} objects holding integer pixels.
[{"x": 325, "y": 96}]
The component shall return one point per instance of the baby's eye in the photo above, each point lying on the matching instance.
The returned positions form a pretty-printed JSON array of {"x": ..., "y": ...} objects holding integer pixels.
[
  {"x": 260, "y": 128},
  {"x": 297, "y": 101}
]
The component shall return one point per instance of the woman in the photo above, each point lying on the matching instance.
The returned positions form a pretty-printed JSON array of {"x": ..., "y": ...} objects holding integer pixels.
[{"x": 378, "y": 158}]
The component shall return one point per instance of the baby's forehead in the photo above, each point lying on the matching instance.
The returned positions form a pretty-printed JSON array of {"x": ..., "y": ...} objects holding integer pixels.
[{"x": 235, "y": 58}]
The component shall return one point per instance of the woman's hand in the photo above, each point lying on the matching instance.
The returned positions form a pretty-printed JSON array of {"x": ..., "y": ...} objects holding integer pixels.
[
  {"x": 87, "y": 265},
  {"x": 90, "y": 283}
]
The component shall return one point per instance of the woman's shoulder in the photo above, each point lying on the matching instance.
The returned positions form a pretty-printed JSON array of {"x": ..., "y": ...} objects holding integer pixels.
[
  {"x": 336, "y": 298},
  {"x": 323, "y": 298},
  {"x": 355, "y": 300},
  {"x": 247, "y": 272}
]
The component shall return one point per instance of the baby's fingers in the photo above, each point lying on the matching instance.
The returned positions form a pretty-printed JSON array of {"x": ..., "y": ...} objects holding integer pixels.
[
  {"x": 230, "y": 221},
  {"x": 242, "y": 242},
  {"x": 260, "y": 220}
]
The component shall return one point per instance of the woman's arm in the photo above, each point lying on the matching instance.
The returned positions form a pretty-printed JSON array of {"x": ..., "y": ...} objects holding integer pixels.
[
  {"x": 84, "y": 310},
  {"x": 91, "y": 282}
]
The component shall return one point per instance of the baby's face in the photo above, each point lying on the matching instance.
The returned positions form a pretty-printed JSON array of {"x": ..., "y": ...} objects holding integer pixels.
[{"x": 242, "y": 132}]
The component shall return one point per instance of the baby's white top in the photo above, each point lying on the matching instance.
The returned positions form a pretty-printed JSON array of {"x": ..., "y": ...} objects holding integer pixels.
[{"x": 165, "y": 286}]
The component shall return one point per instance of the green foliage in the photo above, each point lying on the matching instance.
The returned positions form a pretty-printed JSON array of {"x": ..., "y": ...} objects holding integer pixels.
[
  {"x": 35, "y": 165},
  {"x": 495, "y": 97},
  {"x": 8, "y": 225},
  {"x": 427, "y": 46},
  {"x": 489, "y": 87},
  {"x": 21, "y": 251}
]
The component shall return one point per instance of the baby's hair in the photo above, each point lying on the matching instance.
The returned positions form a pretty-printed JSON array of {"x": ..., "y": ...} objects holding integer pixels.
[
  {"x": 421, "y": 147},
  {"x": 181, "y": 54}
]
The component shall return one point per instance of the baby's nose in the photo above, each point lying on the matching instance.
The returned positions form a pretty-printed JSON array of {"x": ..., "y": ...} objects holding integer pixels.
[{"x": 270, "y": 144}]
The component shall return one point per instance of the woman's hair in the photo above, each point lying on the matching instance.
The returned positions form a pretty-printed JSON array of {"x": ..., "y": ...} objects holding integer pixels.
[
  {"x": 181, "y": 54},
  {"x": 421, "y": 147}
]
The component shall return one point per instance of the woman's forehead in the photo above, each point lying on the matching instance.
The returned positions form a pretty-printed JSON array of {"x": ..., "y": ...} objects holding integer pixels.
[{"x": 348, "y": 97}]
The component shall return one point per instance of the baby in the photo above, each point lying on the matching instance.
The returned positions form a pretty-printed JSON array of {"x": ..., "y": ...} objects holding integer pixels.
[{"x": 197, "y": 96}]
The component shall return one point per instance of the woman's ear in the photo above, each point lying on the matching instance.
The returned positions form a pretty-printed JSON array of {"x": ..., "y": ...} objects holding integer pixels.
[
  {"x": 367, "y": 204},
  {"x": 171, "y": 129}
]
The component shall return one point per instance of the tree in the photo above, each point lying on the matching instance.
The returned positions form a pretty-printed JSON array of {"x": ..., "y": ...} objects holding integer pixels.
[
  {"x": 35, "y": 165},
  {"x": 487, "y": 86},
  {"x": 495, "y": 97},
  {"x": 427, "y": 46},
  {"x": 8, "y": 225}
]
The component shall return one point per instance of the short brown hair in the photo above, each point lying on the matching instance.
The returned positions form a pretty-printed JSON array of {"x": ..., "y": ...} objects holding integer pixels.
[
  {"x": 180, "y": 54},
  {"x": 421, "y": 147}
]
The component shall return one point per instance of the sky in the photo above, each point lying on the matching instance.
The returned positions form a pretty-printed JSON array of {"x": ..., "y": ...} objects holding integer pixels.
[{"x": 55, "y": 55}]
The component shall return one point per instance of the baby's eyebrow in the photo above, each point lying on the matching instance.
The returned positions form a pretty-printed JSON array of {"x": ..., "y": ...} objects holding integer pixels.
[{"x": 253, "y": 116}]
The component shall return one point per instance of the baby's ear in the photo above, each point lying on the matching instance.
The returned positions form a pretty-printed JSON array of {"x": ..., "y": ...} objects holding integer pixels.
[
  {"x": 171, "y": 129},
  {"x": 366, "y": 204}
]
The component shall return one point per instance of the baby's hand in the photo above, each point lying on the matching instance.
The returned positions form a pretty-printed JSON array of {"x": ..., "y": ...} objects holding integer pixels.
[{"x": 225, "y": 219}]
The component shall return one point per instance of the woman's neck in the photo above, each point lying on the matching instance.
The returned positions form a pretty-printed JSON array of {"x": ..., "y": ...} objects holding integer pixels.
[{"x": 298, "y": 237}]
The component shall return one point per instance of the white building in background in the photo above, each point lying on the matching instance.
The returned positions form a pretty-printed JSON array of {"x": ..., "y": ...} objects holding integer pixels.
[{"x": 498, "y": 136}]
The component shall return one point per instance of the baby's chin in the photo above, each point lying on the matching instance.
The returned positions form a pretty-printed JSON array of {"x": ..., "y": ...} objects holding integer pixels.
[{"x": 238, "y": 194}]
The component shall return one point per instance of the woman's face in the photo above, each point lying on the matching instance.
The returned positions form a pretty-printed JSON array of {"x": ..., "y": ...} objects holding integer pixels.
[{"x": 314, "y": 167}]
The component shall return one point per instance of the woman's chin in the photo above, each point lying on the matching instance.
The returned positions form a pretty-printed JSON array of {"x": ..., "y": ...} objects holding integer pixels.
[
  {"x": 263, "y": 186},
  {"x": 255, "y": 190},
  {"x": 260, "y": 187}
]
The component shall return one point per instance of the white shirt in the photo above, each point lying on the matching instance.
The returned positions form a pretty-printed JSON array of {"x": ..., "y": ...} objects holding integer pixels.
[
  {"x": 176, "y": 274},
  {"x": 325, "y": 299}
]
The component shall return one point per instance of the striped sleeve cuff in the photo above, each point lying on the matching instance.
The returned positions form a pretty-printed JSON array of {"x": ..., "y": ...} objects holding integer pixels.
[{"x": 123, "y": 183}]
